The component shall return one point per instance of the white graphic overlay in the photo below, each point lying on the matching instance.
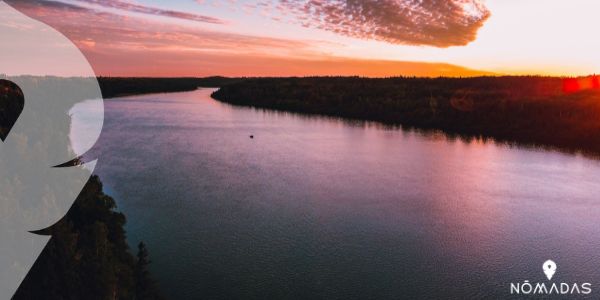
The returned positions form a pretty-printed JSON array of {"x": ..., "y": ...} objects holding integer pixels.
[{"x": 34, "y": 193}]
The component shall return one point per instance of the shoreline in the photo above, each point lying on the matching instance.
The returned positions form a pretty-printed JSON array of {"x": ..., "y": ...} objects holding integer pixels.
[{"x": 533, "y": 112}]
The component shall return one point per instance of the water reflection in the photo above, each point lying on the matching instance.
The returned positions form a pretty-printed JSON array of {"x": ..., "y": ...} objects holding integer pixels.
[{"x": 316, "y": 207}]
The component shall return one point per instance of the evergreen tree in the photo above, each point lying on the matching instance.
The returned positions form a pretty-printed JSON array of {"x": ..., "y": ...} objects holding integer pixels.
[
  {"x": 88, "y": 257},
  {"x": 145, "y": 286}
]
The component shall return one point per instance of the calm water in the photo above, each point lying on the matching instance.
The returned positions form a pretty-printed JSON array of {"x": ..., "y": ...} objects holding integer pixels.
[{"x": 317, "y": 208}]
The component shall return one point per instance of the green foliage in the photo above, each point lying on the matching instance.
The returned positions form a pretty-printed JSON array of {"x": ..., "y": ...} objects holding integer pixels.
[
  {"x": 525, "y": 110},
  {"x": 88, "y": 256}
]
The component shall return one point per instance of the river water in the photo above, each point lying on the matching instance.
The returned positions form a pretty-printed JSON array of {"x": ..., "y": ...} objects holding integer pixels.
[{"x": 321, "y": 208}]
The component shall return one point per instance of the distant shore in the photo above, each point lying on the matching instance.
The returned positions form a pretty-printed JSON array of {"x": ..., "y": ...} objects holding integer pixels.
[
  {"x": 122, "y": 86},
  {"x": 550, "y": 112}
]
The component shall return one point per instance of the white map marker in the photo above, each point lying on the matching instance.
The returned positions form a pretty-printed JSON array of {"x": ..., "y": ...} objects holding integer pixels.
[{"x": 549, "y": 268}]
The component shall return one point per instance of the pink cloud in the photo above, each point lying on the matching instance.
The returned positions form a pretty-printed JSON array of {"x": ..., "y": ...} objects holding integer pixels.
[
  {"x": 108, "y": 39},
  {"x": 122, "y": 6},
  {"x": 132, "y": 7},
  {"x": 122, "y": 45}
]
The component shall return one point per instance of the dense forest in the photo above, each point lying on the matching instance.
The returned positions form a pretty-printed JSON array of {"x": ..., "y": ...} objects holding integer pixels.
[
  {"x": 88, "y": 256},
  {"x": 542, "y": 111}
]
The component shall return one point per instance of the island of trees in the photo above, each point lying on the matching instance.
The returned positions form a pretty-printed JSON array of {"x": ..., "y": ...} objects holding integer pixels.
[{"x": 555, "y": 112}]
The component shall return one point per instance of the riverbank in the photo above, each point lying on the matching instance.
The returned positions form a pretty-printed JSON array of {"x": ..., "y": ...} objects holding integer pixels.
[
  {"x": 88, "y": 256},
  {"x": 552, "y": 112}
]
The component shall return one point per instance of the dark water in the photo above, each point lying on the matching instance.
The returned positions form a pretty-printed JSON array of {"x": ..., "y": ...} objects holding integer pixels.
[{"x": 316, "y": 208}]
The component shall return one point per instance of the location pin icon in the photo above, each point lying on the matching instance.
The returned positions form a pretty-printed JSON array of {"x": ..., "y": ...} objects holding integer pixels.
[{"x": 549, "y": 268}]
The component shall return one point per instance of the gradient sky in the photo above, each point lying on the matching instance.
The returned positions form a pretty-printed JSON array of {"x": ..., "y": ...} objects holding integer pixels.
[{"x": 327, "y": 37}]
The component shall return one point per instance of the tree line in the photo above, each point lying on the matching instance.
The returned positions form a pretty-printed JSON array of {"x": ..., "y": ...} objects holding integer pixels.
[
  {"x": 88, "y": 256},
  {"x": 541, "y": 111}
]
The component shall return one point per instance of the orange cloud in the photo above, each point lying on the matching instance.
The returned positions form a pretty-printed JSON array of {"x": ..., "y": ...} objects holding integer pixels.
[
  {"x": 208, "y": 64},
  {"x": 121, "y": 45},
  {"x": 439, "y": 23}
]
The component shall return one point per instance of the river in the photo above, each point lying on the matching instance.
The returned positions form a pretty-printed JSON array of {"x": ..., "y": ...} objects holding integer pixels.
[{"x": 322, "y": 208}]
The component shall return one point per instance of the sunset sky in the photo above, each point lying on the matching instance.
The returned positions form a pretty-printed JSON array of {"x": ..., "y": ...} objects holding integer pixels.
[{"x": 327, "y": 37}]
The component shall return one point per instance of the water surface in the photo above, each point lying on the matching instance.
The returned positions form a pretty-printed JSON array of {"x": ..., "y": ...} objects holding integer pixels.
[{"x": 319, "y": 208}]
